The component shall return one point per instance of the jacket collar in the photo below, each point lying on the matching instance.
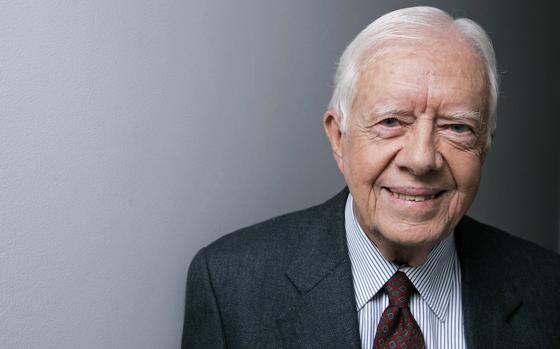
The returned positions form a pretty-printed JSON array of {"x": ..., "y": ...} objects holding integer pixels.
[
  {"x": 489, "y": 293},
  {"x": 325, "y": 313}
]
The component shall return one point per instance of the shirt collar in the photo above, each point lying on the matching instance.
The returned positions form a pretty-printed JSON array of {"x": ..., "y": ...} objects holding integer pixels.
[{"x": 370, "y": 270}]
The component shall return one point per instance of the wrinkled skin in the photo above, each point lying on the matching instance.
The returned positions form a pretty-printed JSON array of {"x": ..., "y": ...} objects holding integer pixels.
[{"x": 413, "y": 148}]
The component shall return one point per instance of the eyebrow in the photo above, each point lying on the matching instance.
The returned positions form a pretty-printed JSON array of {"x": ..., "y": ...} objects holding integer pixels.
[
  {"x": 391, "y": 110},
  {"x": 468, "y": 115},
  {"x": 463, "y": 115}
]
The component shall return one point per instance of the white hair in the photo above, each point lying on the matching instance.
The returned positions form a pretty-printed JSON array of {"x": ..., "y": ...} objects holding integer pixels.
[{"x": 411, "y": 23}]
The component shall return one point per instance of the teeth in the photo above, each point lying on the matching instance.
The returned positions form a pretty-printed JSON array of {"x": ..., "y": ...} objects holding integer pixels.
[{"x": 416, "y": 198}]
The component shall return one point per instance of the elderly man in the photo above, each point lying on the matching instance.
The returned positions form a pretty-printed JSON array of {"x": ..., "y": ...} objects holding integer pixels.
[{"x": 390, "y": 262}]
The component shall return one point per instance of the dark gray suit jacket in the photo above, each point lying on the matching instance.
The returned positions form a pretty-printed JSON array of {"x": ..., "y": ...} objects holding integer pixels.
[{"x": 287, "y": 283}]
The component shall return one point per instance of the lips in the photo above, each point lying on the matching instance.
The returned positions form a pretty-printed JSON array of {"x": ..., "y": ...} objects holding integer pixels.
[
  {"x": 415, "y": 194},
  {"x": 416, "y": 198}
]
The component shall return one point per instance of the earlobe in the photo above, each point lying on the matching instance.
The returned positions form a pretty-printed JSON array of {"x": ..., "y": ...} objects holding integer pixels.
[{"x": 333, "y": 129}]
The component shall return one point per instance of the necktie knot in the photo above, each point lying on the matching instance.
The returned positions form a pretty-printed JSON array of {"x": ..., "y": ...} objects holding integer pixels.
[
  {"x": 397, "y": 327},
  {"x": 399, "y": 288}
]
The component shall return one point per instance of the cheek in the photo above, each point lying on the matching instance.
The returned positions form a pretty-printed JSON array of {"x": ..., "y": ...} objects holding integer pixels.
[
  {"x": 366, "y": 161},
  {"x": 466, "y": 170},
  {"x": 365, "y": 170}
]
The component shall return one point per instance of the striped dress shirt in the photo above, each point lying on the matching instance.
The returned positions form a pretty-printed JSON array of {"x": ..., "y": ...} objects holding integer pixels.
[{"x": 436, "y": 306}]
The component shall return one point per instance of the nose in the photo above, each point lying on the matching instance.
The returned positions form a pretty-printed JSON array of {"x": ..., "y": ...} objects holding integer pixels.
[{"x": 419, "y": 154}]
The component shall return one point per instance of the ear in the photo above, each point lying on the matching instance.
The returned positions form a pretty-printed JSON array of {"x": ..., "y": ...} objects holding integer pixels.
[
  {"x": 333, "y": 129},
  {"x": 486, "y": 148},
  {"x": 483, "y": 154}
]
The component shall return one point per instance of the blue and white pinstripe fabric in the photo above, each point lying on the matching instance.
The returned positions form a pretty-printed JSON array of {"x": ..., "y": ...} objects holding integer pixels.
[{"x": 436, "y": 307}]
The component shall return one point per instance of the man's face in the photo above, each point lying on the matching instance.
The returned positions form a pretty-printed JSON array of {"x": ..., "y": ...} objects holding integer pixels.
[{"x": 413, "y": 148}]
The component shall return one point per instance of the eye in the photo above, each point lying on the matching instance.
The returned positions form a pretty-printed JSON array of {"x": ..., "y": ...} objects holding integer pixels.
[
  {"x": 390, "y": 122},
  {"x": 458, "y": 128}
]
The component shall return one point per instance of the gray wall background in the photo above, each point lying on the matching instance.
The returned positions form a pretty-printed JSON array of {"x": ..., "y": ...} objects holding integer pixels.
[{"x": 132, "y": 133}]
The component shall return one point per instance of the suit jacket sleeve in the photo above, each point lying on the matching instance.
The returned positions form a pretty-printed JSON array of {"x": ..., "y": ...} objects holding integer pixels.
[{"x": 202, "y": 327}]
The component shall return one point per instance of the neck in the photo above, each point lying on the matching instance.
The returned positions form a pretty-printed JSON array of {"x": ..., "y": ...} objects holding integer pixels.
[{"x": 413, "y": 256}]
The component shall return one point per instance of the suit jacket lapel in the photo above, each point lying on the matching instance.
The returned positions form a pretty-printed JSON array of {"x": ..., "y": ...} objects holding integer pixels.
[
  {"x": 489, "y": 294},
  {"x": 325, "y": 315}
]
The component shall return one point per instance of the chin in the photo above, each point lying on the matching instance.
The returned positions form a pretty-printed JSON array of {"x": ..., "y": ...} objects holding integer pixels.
[{"x": 414, "y": 236}]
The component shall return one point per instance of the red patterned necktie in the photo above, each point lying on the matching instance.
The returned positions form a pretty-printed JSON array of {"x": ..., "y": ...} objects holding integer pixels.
[{"x": 397, "y": 328}]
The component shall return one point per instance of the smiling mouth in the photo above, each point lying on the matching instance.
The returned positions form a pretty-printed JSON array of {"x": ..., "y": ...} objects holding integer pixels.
[
  {"x": 430, "y": 195},
  {"x": 416, "y": 198}
]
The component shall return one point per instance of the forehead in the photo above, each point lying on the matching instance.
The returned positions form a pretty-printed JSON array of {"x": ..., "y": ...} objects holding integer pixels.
[{"x": 433, "y": 73}]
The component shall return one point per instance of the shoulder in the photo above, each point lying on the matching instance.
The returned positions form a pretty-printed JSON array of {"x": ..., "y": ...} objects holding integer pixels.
[
  {"x": 487, "y": 249},
  {"x": 476, "y": 235},
  {"x": 272, "y": 243},
  {"x": 505, "y": 277}
]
